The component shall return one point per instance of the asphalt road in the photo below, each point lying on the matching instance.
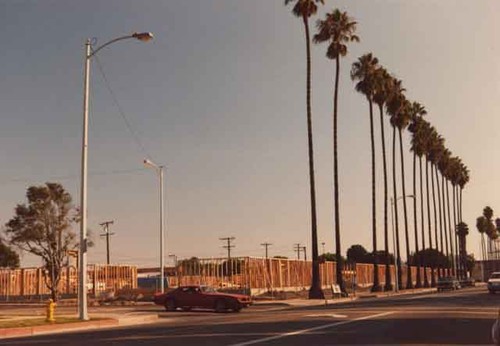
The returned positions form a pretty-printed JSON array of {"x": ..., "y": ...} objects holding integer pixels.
[{"x": 463, "y": 317}]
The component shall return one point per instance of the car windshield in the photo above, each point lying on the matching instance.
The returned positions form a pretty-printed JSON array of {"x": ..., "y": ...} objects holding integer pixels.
[
  {"x": 208, "y": 289},
  {"x": 495, "y": 276}
]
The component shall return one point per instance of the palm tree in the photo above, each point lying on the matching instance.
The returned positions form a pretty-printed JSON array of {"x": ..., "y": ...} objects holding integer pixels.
[
  {"x": 417, "y": 146},
  {"x": 489, "y": 229},
  {"x": 436, "y": 145},
  {"x": 394, "y": 105},
  {"x": 305, "y": 9},
  {"x": 337, "y": 29},
  {"x": 401, "y": 120},
  {"x": 443, "y": 166},
  {"x": 430, "y": 135},
  {"x": 383, "y": 81},
  {"x": 482, "y": 226},
  {"x": 364, "y": 71}
]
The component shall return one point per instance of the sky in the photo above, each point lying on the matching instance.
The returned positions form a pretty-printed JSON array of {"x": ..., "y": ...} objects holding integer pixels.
[{"x": 218, "y": 97}]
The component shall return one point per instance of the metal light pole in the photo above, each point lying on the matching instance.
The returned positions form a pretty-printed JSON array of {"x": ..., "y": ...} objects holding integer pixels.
[
  {"x": 159, "y": 170},
  {"x": 82, "y": 273},
  {"x": 396, "y": 286}
]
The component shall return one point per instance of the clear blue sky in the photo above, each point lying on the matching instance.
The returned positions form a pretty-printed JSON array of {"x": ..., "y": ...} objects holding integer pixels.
[{"x": 218, "y": 97}]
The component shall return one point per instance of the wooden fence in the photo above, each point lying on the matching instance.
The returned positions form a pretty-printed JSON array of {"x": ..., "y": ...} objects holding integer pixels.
[
  {"x": 30, "y": 282},
  {"x": 256, "y": 274}
]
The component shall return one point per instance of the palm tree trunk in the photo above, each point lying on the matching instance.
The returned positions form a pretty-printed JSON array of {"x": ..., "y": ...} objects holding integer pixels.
[
  {"x": 433, "y": 278},
  {"x": 415, "y": 223},
  {"x": 451, "y": 231},
  {"x": 445, "y": 234},
  {"x": 315, "y": 292},
  {"x": 424, "y": 263},
  {"x": 395, "y": 204},
  {"x": 409, "y": 282},
  {"x": 441, "y": 269},
  {"x": 376, "y": 280},
  {"x": 340, "y": 280},
  {"x": 388, "y": 283}
]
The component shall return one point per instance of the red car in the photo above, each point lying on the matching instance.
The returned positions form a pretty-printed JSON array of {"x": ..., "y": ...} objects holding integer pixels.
[{"x": 204, "y": 297}]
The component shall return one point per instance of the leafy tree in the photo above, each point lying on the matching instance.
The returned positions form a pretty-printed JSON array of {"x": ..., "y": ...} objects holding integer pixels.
[
  {"x": 357, "y": 253},
  {"x": 470, "y": 262},
  {"x": 280, "y": 257},
  {"x": 304, "y": 9},
  {"x": 380, "y": 256},
  {"x": 331, "y": 257},
  {"x": 432, "y": 256},
  {"x": 43, "y": 227},
  {"x": 8, "y": 257},
  {"x": 337, "y": 29}
]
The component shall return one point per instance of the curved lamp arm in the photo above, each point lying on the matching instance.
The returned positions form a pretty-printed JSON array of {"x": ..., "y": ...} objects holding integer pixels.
[{"x": 143, "y": 36}]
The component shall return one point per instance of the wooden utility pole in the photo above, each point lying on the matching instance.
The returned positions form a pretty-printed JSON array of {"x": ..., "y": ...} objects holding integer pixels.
[
  {"x": 266, "y": 245},
  {"x": 305, "y": 253},
  {"x": 229, "y": 246},
  {"x": 105, "y": 226},
  {"x": 297, "y": 248}
]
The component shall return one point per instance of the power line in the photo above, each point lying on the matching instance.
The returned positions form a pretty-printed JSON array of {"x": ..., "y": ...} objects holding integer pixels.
[
  {"x": 120, "y": 109},
  {"x": 71, "y": 177}
]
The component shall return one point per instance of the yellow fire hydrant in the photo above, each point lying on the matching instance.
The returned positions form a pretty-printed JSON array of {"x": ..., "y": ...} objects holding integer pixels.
[{"x": 51, "y": 307}]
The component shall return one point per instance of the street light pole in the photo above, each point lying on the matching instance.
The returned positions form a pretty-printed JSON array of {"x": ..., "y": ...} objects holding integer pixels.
[
  {"x": 159, "y": 170},
  {"x": 82, "y": 272},
  {"x": 396, "y": 286}
]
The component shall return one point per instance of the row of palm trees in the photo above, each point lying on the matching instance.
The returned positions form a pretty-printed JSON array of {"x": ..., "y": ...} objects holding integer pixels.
[
  {"x": 485, "y": 225},
  {"x": 381, "y": 89}
]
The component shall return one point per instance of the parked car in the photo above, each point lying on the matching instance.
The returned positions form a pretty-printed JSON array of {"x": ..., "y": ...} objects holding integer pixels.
[
  {"x": 494, "y": 282},
  {"x": 467, "y": 282},
  {"x": 204, "y": 297},
  {"x": 447, "y": 283}
]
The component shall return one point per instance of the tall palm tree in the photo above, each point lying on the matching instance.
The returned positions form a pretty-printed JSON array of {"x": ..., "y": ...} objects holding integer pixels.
[
  {"x": 443, "y": 166},
  {"x": 489, "y": 229},
  {"x": 338, "y": 30},
  {"x": 305, "y": 9},
  {"x": 482, "y": 226},
  {"x": 417, "y": 146},
  {"x": 435, "y": 149},
  {"x": 401, "y": 121},
  {"x": 383, "y": 81},
  {"x": 428, "y": 143},
  {"x": 364, "y": 71},
  {"x": 395, "y": 104}
]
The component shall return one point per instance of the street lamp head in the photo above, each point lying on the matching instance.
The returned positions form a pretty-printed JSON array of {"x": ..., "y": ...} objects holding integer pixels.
[{"x": 143, "y": 36}]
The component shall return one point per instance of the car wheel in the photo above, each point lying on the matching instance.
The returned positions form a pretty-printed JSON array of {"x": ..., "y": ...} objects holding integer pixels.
[
  {"x": 220, "y": 306},
  {"x": 171, "y": 305},
  {"x": 237, "y": 308}
]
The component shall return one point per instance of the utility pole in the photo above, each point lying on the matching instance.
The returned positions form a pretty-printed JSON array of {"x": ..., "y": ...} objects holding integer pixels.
[
  {"x": 266, "y": 245},
  {"x": 297, "y": 248},
  {"x": 229, "y": 246},
  {"x": 105, "y": 226},
  {"x": 305, "y": 253}
]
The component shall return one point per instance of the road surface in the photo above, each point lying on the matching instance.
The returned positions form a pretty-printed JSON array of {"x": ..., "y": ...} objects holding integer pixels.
[{"x": 461, "y": 317}]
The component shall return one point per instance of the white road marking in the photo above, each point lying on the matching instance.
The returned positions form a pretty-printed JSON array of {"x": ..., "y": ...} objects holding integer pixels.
[
  {"x": 327, "y": 315},
  {"x": 303, "y": 331}
]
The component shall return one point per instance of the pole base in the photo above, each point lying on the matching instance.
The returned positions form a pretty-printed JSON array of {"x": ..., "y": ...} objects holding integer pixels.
[
  {"x": 316, "y": 293},
  {"x": 376, "y": 288}
]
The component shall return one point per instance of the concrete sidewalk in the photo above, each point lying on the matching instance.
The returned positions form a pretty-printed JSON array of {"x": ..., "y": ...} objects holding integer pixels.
[{"x": 103, "y": 321}]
